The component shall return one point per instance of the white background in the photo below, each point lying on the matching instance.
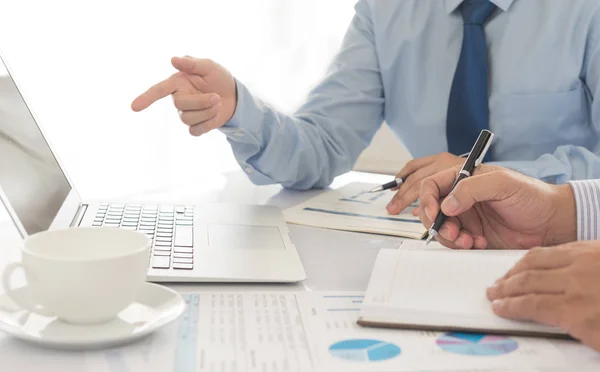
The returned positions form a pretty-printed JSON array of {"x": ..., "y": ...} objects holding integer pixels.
[{"x": 81, "y": 63}]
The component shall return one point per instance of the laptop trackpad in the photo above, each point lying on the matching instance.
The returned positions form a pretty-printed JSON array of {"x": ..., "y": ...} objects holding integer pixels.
[{"x": 241, "y": 236}]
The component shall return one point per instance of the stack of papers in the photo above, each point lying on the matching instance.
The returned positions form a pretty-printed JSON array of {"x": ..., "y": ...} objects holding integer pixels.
[{"x": 353, "y": 208}]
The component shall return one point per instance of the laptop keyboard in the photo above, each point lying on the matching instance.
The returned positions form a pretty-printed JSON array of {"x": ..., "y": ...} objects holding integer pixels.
[{"x": 171, "y": 228}]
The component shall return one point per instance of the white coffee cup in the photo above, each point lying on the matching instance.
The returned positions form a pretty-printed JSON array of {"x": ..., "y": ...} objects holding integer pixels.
[{"x": 81, "y": 275}]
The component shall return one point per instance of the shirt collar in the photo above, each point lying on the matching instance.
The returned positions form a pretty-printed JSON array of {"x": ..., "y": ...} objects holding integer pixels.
[{"x": 451, "y": 5}]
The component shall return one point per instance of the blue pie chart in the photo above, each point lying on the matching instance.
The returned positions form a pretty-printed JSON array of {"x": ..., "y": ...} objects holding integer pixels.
[{"x": 364, "y": 350}]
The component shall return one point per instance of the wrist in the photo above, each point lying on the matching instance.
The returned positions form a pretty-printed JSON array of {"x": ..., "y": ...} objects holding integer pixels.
[{"x": 563, "y": 222}]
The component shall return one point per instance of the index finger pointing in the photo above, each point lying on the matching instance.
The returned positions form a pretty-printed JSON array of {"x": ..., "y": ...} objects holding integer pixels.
[{"x": 156, "y": 92}]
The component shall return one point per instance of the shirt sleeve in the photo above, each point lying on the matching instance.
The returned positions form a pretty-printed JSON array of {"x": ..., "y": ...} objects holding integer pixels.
[
  {"x": 587, "y": 200},
  {"x": 573, "y": 162},
  {"x": 326, "y": 135}
]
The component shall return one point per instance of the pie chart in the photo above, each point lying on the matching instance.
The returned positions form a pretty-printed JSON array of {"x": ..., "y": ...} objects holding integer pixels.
[
  {"x": 476, "y": 345},
  {"x": 364, "y": 350}
]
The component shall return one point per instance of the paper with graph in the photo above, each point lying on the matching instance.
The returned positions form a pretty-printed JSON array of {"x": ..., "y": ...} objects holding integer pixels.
[
  {"x": 313, "y": 332},
  {"x": 353, "y": 208}
]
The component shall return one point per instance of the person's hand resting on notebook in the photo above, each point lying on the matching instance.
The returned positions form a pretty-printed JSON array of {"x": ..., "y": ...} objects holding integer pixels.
[
  {"x": 557, "y": 286},
  {"x": 417, "y": 170},
  {"x": 498, "y": 208},
  {"x": 203, "y": 91}
]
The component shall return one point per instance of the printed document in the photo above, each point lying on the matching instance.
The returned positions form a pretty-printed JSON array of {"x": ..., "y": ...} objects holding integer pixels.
[{"x": 353, "y": 208}]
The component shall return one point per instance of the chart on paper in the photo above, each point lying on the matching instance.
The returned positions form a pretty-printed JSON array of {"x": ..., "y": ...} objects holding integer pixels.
[
  {"x": 364, "y": 350},
  {"x": 311, "y": 331},
  {"x": 364, "y": 197},
  {"x": 476, "y": 344},
  {"x": 340, "y": 344},
  {"x": 353, "y": 208}
]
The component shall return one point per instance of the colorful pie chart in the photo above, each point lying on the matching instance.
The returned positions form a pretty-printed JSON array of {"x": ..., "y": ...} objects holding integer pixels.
[{"x": 476, "y": 345}]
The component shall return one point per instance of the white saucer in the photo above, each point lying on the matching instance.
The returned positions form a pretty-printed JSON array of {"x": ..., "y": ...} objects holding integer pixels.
[{"x": 155, "y": 307}]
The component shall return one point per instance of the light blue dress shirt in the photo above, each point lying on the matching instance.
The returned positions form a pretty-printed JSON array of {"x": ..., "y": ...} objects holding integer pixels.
[{"x": 397, "y": 62}]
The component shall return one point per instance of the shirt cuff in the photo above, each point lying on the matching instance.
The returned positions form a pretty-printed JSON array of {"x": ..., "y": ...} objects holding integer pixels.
[
  {"x": 244, "y": 132},
  {"x": 587, "y": 200},
  {"x": 247, "y": 119}
]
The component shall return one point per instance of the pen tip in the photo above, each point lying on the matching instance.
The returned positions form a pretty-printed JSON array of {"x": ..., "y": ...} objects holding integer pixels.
[{"x": 429, "y": 239}]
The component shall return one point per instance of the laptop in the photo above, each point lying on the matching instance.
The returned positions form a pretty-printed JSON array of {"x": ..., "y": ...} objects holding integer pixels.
[{"x": 190, "y": 243}]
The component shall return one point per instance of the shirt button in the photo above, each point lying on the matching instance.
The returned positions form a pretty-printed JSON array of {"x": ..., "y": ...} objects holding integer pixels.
[
  {"x": 249, "y": 170},
  {"x": 238, "y": 134}
]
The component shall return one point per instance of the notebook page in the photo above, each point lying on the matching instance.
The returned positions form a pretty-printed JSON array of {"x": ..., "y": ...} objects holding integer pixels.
[
  {"x": 440, "y": 288},
  {"x": 447, "y": 281}
]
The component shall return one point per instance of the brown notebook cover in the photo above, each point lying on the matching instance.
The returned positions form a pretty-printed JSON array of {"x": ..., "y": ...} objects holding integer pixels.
[{"x": 417, "y": 327}]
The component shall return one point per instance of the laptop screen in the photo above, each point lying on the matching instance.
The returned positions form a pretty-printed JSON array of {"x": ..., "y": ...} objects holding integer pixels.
[{"x": 31, "y": 178}]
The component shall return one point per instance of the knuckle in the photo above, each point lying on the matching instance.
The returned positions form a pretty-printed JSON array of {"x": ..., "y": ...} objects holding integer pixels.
[
  {"x": 208, "y": 62},
  {"x": 501, "y": 289},
  {"x": 186, "y": 118},
  {"x": 178, "y": 103},
  {"x": 407, "y": 198},
  {"x": 529, "y": 304},
  {"x": 409, "y": 166},
  {"x": 424, "y": 182},
  {"x": 210, "y": 124},
  {"x": 529, "y": 258},
  {"x": 408, "y": 185},
  {"x": 534, "y": 305},
  {"x": 446, "y": 156},
  {"x": 525, "y": 280}
]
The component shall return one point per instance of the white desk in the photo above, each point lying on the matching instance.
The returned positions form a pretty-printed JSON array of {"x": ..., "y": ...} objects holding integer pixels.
[
  {"x": 333, "y": 260},
  {"x": 352, "y": 255}
]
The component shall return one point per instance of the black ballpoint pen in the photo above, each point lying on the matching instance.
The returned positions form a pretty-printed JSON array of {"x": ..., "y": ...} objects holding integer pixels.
[{"x": 473, "y": 160}]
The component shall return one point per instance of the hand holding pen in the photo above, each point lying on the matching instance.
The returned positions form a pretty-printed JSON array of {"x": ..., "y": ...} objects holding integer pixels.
[
  {"x": 498, "y": 208},
  {"x": 408, "y": 181},
  {"x": 473, "y": 160}
]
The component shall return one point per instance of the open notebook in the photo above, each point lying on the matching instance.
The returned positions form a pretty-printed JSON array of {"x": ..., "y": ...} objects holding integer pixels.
[{"x": 441, "y": 290}]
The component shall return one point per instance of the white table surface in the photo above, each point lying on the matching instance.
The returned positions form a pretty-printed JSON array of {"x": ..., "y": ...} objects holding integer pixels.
[{"x": 333, "y": 260}]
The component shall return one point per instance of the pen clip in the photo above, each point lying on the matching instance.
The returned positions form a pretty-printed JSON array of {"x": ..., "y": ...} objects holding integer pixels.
[{"x": 479, "y": 159}]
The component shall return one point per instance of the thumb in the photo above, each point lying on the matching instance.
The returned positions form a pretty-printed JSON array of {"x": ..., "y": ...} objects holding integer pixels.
[
  {"x": 192, "y": 65},
  {"x": 493, "y": 186}
]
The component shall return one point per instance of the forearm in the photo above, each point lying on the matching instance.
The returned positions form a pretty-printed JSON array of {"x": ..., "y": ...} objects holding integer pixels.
[{"x": 299, "y": 151}]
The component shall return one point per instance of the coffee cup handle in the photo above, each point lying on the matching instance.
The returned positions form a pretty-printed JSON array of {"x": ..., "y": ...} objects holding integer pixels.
[{"x": 25, "y": 302}]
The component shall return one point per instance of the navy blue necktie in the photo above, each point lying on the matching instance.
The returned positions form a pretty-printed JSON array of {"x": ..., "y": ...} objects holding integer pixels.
[{"x": 468, "y": 110}]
